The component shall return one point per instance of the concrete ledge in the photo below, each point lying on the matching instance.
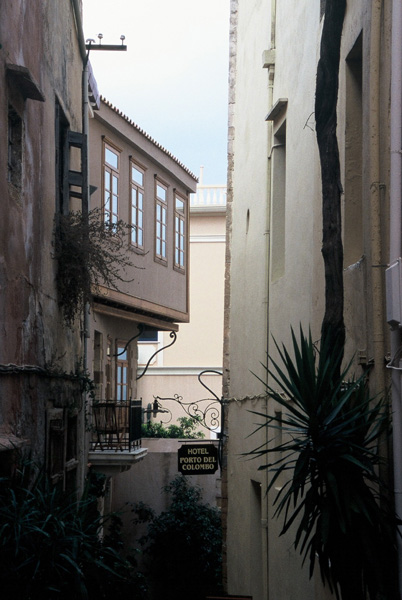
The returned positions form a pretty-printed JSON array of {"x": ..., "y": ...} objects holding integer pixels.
[{"x": 110, "y": 462}]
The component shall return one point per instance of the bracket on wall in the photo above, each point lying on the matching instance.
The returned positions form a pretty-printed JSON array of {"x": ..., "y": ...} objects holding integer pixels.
[
  {"x": 173, "y": 335},
  {"x": 141, "y": 330}
]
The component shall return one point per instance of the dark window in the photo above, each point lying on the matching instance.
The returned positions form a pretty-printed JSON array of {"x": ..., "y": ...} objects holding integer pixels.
[
  {"x": 62, "y": 160},
  {"x": 14, "y": 148},
  {"x": 62, "y": 439},
  {"x": 149, "y": 335}
]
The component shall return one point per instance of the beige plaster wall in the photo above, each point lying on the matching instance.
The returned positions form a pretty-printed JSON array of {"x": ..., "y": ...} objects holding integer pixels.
[
  {"x": 199, "y": 343},
  {"x": 264, "y": 301},
  {"x": 145, "y": 480}
]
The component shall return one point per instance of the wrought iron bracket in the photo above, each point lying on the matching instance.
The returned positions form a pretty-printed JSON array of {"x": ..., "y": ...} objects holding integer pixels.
[
  {"x": 141, "y": 329},
  {"x": 173, "y": 335},
  {"x": 208, "y": 412}
]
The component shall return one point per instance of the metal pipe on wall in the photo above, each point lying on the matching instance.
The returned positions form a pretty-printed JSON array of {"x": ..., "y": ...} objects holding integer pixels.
[
  {"x": 395, "y": 247},
  {"x": 271, "y": 77},
  {"x": 77, "y": 7},
  {"x": 376, "y": 187}
]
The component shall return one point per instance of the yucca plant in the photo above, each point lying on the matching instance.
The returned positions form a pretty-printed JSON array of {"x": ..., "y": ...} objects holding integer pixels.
[{"x": 330, "y": 456}]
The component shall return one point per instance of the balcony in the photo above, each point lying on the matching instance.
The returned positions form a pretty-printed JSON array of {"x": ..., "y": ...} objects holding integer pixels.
[{"x": 116, "y": 435}]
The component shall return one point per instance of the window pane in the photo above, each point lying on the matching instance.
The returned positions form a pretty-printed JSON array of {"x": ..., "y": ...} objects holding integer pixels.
[
  {"x": 163, "y": 249},
  {"x": 112, "y": 158},
  {"x": 179, "y": 205},
  {"x": 182, "y": 227},
  {"x": 158, "y": 212},
  {"x": 161, "y": 192},
  {"x": 115, "y": 184},
  {"x": 107, "y": 180},
  {"x": 164, "y": 215},
  {"x": 122, "y": 355},
  {"x": 137, "y": 176},
  {"x": 107, "y": 201},
  {"x": 158, "y": 246},
  {"x": 140, "y": 200},
  {"x": 133, "y": 196},
  {"x": 140, "y": 237},
  {"x": 140, "y": 219},
  {"x": 115, "y": 204},
  {"x": 133, "y": 216},
  {"x": 158, "y": 230}
]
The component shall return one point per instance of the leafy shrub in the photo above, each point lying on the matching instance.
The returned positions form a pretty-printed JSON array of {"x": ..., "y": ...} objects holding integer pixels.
[
  {"x": 186, "y": 429},
  {"x": 183, "y": 545},
  {"x": 50, "y": 544},
  {"x": 89, "y": 253},
  {"x": 330, "y": 455}
]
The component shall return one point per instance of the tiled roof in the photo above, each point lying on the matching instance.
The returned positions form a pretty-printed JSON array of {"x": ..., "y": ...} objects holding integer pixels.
[{"x": 145, "y": 134}]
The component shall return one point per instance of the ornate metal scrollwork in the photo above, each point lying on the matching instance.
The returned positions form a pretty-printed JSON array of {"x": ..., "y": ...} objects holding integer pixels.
[{"x": 209, "y": 412}]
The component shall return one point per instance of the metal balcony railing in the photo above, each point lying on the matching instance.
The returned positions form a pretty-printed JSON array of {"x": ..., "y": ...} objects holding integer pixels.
[{"x": 116, "y": 425}]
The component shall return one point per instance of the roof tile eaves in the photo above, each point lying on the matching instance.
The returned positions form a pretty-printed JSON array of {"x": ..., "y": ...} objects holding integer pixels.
[{"x": 145, "y": 134}]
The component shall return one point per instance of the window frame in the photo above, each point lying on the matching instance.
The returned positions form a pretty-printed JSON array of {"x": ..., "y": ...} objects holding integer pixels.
[
  {"x": 122, "y": 365},
  {"x": 136, "y": 209},
  {"x": 180, "y": 233},
  {"x": 110, "y": 216},
  {"x": 162, "y": 237}
]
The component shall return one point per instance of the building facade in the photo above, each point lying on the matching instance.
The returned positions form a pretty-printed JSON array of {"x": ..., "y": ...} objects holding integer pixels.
[
  {"x": 275, "y": 274},
  {"x": 198, "y": 348},
  {"x": 42, "y": 62},
  {"x": 143, "y": 186}
]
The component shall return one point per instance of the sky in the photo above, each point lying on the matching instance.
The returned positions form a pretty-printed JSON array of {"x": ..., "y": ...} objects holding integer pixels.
[{"x": 173, "y": 79}]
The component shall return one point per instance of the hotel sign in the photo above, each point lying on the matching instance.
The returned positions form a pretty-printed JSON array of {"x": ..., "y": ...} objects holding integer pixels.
[{"x": 197, "y": 459}]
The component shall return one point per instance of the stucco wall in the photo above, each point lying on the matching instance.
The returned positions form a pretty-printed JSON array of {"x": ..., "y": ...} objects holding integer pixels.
[
  {"x": 145, "y": 480},
  {"x": 263, "y": 300}
]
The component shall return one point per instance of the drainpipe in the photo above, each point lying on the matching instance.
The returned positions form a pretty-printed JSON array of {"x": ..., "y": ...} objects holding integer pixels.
[
  {"x": 271, "y": 78},
  {"x": 76, "y": 5},
  {"x": 395, "y": 247},
  {"x": 376, "y": 195}
]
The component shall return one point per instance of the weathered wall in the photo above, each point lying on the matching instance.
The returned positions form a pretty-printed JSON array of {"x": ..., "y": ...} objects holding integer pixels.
[{"x": 42, "y": 37}]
